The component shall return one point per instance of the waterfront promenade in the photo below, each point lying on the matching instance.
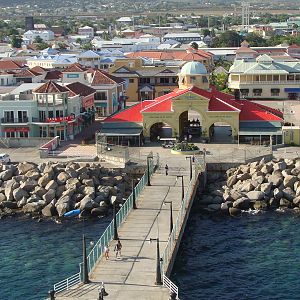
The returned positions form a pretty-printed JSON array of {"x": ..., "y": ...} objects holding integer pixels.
[{"x": 133, "y": 275}]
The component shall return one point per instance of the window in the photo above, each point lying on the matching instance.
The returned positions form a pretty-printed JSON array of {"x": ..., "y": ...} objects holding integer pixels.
[
  {"x": 11, "y": 134},
  {"x": 144, "y": 80},
  {"x": 192, "y": 79},
  {"x": 256, "y": 77},
  {"x": 164, "y": 80},
  {"x": 275, "y": 77},
  {"x": 257, "y": 92},
  {"x": 50, "y": 114},
  {"x": 131, "y": 80},
  {"x": 43, "y": 131},
  {"x": 42, "y": 115},
  {"x": 275, "y": 92},
  {"x": 23, "y": 134},
  {"x": 244, "y": 92},
  {"x": 9, "y": 116},
  {"x": 290, "y": 77},
  {"x": 59, "y": 113},
  {"x": 101, "y": 96},
  {"x": 204, "y": 79},
  {"x": 22, "y": 116}
]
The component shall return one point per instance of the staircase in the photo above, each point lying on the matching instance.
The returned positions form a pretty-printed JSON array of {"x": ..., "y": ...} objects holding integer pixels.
[{"x": 4, "y": 143}]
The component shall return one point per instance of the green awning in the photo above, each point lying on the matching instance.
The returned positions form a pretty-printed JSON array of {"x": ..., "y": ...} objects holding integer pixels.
[{"x": 121, "y": 131}]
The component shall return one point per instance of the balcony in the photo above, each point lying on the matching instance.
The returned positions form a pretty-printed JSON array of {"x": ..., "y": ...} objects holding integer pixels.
[{"x": 23, "y": 120}]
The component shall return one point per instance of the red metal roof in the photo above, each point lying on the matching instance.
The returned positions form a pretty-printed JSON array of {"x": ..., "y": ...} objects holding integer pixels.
[
  {"x": 50, "y": 87},
  {"x": 101, "y": 77},
  {"x": 218, "y": 102}
]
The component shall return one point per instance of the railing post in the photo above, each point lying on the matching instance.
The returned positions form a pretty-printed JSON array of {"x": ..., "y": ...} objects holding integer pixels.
[
  {"x": 133, "y": 195},
  {"x": 85, "y": 273},
  {"x": 115, "y": 222}
]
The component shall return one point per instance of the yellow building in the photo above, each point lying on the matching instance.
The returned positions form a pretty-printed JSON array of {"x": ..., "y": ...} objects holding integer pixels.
[
  {"x": 144, "y": 82},
  {"x": 291, "y": 135},
  {"x": 244, "y": 119}
]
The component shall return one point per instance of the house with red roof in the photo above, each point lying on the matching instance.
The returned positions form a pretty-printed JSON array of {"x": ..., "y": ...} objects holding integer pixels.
[{"x": 246, "y": 120}]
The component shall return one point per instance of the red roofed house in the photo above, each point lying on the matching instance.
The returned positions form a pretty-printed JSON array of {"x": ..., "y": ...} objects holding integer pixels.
[{"x": 246, "y": 119}]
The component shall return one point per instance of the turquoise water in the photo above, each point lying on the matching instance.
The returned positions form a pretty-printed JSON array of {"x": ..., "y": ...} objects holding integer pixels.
[
  {"x": 253, "y": 257},
  {"x": 35, "y": 255}
]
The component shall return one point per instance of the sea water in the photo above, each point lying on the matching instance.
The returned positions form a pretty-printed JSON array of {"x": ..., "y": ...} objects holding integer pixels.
[
  {"x": 256, "y": 256},
  {"x": 35, "y": 255}
]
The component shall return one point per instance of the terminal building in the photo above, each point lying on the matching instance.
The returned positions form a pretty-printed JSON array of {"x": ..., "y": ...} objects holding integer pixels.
[{"x": 194, "y": 104}]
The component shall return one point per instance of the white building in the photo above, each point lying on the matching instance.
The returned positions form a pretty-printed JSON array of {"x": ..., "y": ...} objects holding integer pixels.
[
  {"x": 183, "y": 37},
  {"x": 45, "y": 35},
  {"x": 51, "y": 61},
  {"x": 86, "y": 30}
]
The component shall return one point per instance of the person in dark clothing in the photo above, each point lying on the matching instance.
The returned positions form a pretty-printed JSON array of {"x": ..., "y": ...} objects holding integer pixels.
[{"x": 167, "y": 170}]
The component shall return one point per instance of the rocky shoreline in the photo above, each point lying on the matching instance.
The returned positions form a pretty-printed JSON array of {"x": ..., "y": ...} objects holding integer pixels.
[
  {"x": 51, "y": 189},
  {"x": 258, "y": 186}
]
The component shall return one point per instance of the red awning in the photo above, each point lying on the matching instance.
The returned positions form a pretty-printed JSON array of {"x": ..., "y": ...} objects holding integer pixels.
[{"x": 16, "y": 129}]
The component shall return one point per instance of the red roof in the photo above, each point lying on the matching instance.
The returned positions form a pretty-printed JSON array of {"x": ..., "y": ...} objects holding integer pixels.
[
  {"x": 10, "y": 65},
  {"x": 101, "y": 77},
  {"x": 50, "y": 87},
  {"x": 27, "y": 73},
  {"x": 78, "y": 88},
  {"x": 74, "y": 68},
  {"x": 38, "y": 69},
  {"x": 131, "y": 114},
  {"x": 218, "y": 102},
  {"x": 53, "y": 75},
  {"x": 193, "y": 55}
]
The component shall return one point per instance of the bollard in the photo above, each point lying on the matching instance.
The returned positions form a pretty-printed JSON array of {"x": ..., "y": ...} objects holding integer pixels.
[{"x": 52, "y": 295}]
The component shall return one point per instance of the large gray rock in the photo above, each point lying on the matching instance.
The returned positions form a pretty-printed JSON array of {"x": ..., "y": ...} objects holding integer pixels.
[
  {"x": 6, "y": 175},
  {"x": 108, "y": 181},
  {"x": 88, "y": 182},
  {"x": 266, "y": 169},
  {"x": 281, "y": 165},
  {"x": 72, "y": 183},
  {"x": 277, "y": 194},
  {"x": 255, "y": 195},
  {"x": 8, "y": 204},
  {"x": 260, "y": 205},
  {"x": 49, "y": 210},
  {"x": 288, "y": 194},
  {"x": 266, "y": 188},
  {"x": 22, "y": 202},
  {"x": 235, "y": 212},
  {"x": 62, "y": 178},
  {"x": 2, "y": 197},
  {"x": 242, "y": 203},
  {"x": 40, "y": 191},
  {"x": 83, "y": 176},
  {"x": 29, "y": 185},
  {"x": 45, "y": 179},
  {"x": 206, "y": 199},
  {"x": 99, "y": 211},
  {"x": 226, "y": 205},
  {"x": 285, "y": 202},
  {"x": 59, "y": 191},
  {"x": 89, "y": 191},
  {"x": 274, "y": 203},
  {"x": 33, "y": 174},
  {"x": 217, "y": 200},
  {"x": 235, "y": 194},
  {"x": 24, "y": 167},
  {"x": 63, "y": 205},
  {"x": 19, "y": 193},
  {"x": 231, "y": 181},
  {"x": 71, "y": 172},
  {"x": 286, "y": 172},
  {"x": 49, "y": 196},
  {"x": 86, "y": 203},
  {"x": 52, "y": 185},
  {"x": 243, "y": 177},
  {"x": 247, "y": 187},
  {"x": 296, "y": 200},
  {"x": 289, "y": 181},
  {"x": 33, "y": 207},
  {"x": 275, "y": 180}
]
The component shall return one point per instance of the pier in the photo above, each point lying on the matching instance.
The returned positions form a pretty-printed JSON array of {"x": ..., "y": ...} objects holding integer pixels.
[{"x": 150, "y": 236}]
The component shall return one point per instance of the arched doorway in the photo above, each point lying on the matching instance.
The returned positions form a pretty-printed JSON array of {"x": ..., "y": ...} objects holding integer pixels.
[
  {"x": 221, "y": 133},
  {"x": 190, "y": 125},
  {"x": 160, "y": 129}
]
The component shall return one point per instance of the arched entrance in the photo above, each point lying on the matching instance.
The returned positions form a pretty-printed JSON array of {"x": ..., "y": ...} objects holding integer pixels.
[
  {"x": 160, "y": 129},
  {"x": 221, "y": 133},
  {"x": 190, "y": 125}
]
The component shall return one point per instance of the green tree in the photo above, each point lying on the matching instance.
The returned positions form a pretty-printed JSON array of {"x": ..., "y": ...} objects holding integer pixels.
[
  {"x": 42, "y": 46},
  {"x": 205, "y": 32},
  {"x": 255, "y": 40},
  {"x": 16, "y": 41},
  {"x": 87, "y": 46},
  {"x": 194, "y": 45},
  {"x": 228, "y": 39},
  {"x": 38, "y": 40}
]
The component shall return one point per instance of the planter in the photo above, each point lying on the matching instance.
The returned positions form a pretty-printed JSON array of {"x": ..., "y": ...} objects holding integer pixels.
[{"x": 185, "y": 152}]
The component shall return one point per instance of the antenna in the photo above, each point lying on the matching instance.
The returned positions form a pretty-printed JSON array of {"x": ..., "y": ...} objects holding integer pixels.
[{"x": 245, "y": 16}]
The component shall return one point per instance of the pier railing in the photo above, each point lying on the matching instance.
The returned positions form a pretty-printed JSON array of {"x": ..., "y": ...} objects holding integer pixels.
[
  {"x": 173, "y": 237},
  {"x": 108, "y": 234}
]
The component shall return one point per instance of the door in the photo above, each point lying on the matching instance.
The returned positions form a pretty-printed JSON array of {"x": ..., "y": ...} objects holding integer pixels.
[
  {"x": 22, "y": 116},
  {"x": 9, "y": 116}
]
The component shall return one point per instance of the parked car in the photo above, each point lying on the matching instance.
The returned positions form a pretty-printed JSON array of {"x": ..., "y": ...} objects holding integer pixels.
[{"x": 4, "y": 158}]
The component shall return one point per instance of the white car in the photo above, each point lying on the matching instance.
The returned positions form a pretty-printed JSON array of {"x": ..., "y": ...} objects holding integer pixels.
[{"x": 4, "y": 158}]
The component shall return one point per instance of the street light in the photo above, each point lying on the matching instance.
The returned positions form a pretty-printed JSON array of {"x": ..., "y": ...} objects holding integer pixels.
[
  {"x": 191, "y": 167},
  {"x": 182, "y": 186},
  {"x": 113, "y": 200},
  {"x": 85, "y": 273},
  {"x": 158, "y": 280},
  {"x": 133, "y": 194},
  {"x": 148, "y": 169},
  {"x": 171, "y": 214}
]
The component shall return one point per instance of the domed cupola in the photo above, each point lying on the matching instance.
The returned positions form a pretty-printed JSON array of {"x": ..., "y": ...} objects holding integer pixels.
[{"x": 193, "y": 73}]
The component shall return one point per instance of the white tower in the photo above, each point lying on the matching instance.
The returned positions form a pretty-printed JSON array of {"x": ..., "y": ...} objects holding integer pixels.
[{"x": 245, "y": 15}]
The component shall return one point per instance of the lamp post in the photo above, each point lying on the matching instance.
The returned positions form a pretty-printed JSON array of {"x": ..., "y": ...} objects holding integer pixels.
[
  {"x": 113, "y": 198},
  {"x": 171, "y": 214},
  {"x": 182, "y": 186},
  {"x": 148, "y": 169},
  {"x": 85, "y": 272},
  {"x": 191, "y": 167},
  {"x": 133, "y": 194},
  {"x": 158, "y": 280}
]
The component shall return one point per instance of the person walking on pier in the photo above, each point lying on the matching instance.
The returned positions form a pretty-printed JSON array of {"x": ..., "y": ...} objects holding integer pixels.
[
  {"x": 118, "y": 248},
  {"x": 106, "y": 252},
  {"x": 167, "y": 170}
]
